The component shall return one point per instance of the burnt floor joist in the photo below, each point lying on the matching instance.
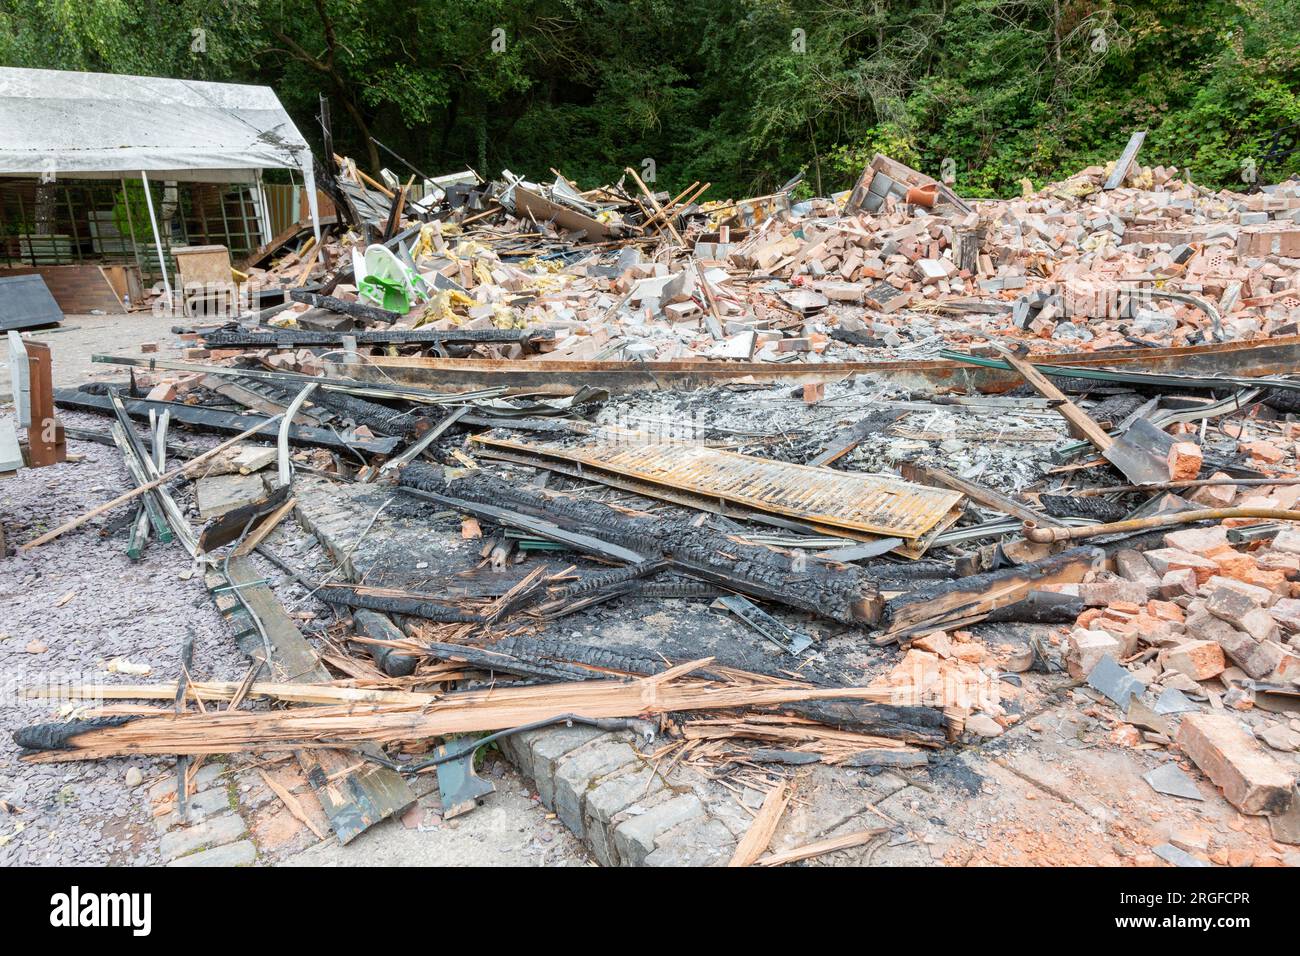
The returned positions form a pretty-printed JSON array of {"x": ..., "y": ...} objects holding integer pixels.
[
  {"x": 273, "y": 338},
  {"x": 358, "y": 310},
  {"x": 216, "y": 420},
  {"x": 553, "y": 659},
  {"x": 842, "y": 593}
]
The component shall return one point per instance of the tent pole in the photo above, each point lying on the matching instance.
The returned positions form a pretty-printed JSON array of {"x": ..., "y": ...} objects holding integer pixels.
[
  {"x": 264, "y": 226},
  {"x": 309, "y": 184},
  {"x": 157, "y": 239}
]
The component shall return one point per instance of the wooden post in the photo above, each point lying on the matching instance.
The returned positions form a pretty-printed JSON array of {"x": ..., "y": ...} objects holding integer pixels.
[{"x": 45, "y": 441}]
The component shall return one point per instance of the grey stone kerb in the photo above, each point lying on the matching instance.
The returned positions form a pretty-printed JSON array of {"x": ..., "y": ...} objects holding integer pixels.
[{"x": 617, "y": 802}]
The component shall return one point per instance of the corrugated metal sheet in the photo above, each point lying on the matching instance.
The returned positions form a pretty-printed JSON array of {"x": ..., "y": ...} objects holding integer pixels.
[{"x": 836, "y": 498}]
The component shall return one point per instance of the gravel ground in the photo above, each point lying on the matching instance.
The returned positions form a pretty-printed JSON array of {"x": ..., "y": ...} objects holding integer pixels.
[
  {"x": 70, "y": 608},
  {"x": 78, "y": 337},
  {"x": 78, "y": 603}
]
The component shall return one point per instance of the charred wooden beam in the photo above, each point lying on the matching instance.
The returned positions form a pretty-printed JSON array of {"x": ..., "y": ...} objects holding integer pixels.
[
  {"x": 240, "y": 337},
  {"x": 597, "y": 588},
  {"x": 987, "y": 497},
  {"x": 495, "y": 659},
  {"x": 1039, "y": 607},
  {"x": 380, "y": 419},
  {"x": 965, "y": 600},
  {"x": 849, "y": 439},
  {"x": 379, "y": 628},
  {"x": 358, "y": 310},
  {"x": 216, "y": 420},
  {"x": 921, "y": 725},
  {"x": 430, "y": 715},
  {"x": 393, "y": 601},
  {"x": 842, "y": 593},
  {"x": 225, "y": 528}
]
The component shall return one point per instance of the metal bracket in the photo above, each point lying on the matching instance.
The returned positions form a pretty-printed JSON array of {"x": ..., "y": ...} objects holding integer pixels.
[
  {"x": 788, "y": 639},
  {"x": 460, "y": 787}
]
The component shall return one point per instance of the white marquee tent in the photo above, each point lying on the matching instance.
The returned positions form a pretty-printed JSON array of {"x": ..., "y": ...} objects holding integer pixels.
[{"x": 104, "y": 126}]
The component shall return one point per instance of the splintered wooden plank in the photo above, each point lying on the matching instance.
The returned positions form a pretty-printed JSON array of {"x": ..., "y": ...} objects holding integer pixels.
[
  {"x": 756, "y": 839},
  {"x": 354, "y": 792},
  {"x": 292, "y": 659},
  {"x": 1071, "y": 412},
  {"x": 1118, "y": 174}
]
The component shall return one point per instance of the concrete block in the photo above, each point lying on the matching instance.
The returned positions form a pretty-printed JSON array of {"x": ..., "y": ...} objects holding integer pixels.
[
  {"x": 547, "y": 748},
  {"x": 634, "y": 838},
  {"x": 699, "y": 843},
  {"x": 211, "y": 832},
  {"x": 199, "y": 807},
  {"x": 577, "y": 772},
  {"x": 242, "y": 853},
  {"x": 204, "y": 778},
  {"x": 610, "y": 797}
]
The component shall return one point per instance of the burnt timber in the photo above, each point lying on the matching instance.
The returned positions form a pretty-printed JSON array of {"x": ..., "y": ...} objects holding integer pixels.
[{"x": 216, "y": 420}]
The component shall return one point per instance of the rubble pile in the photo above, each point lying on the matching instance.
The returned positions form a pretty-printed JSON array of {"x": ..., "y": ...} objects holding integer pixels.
[
  {"x": 851, "y": 480},
  {"x": 1157, "y": 261}
]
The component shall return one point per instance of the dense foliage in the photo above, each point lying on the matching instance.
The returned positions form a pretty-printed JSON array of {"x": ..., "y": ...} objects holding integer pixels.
[{"x": 742, "y": 93}]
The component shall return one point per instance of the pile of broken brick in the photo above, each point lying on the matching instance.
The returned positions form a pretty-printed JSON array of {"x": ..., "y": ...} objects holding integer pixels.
[
  {"x": 1211, "y": 621},
  {"x": 897, "y": 267}
]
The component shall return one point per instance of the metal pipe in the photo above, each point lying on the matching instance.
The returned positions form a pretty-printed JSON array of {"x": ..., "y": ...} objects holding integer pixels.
[
  {"x": 1033, "y": 532},
  {"x": 157, "y": 238}
]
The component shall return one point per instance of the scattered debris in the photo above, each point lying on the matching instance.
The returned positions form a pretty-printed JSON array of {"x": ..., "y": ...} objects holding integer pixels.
[{"x": 875, "y": 430}]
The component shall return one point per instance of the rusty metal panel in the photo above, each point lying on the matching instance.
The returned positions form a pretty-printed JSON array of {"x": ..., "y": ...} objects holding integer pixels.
[{"x": 839, "y": 499}]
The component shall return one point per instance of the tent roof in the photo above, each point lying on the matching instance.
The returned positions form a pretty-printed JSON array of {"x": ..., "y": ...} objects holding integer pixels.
[{"x": 105, "y": 125}]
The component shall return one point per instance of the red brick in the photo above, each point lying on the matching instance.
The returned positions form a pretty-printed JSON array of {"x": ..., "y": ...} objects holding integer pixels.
[
  {"x": 162, "y": 392},
  {"x": 1262, "y": 597},
  {"x": 1215, "y": 496},
  {"x": 1199, "y": 660},
  {"x": 1112, "y": 592},
  {"x": 1184, "y": 461},
  {"x": 1263, "y": 451},
  {"x": 1166, "y": 611},
  {"x": 1085, "y": 648},
  {"x": 1197, "y": 540},
  {"x": 1165, "y": 560},
  {"x": 1178, "y": 583},
  {"x": 1251, "y": 780}
]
